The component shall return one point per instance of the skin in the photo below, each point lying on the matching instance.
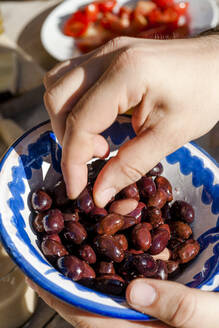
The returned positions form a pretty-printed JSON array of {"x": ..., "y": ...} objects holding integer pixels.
[{"x": 172, "y": 86}]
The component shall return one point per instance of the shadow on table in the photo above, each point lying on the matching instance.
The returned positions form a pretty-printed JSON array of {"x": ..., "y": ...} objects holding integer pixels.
[{"x": 29, "y": 41}]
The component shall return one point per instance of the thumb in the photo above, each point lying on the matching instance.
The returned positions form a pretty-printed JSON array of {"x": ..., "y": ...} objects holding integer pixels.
[
  {"x": 173, "y": 303},
  {"x": 133, "y": 160}
]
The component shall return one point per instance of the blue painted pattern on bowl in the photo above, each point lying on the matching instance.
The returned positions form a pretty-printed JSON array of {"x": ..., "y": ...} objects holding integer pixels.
[{"x": 34, "y": 161}]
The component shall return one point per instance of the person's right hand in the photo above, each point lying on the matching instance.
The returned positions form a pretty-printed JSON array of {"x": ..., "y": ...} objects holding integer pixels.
[{"x": 172, "y": 85}]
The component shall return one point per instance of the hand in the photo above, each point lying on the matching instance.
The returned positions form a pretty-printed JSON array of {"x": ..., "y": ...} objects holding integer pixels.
[
  {"x": 172, "y": 86},
  {"x": 176, "y": 305}
]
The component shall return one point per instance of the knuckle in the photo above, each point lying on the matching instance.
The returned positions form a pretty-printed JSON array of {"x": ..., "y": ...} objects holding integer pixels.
[
  {"x": 184, "y": 311},
  {"x": 130, "y": 171},
  {"x": 49, "y": 99},
  {"x": 45, "y": 80},
  {"x": 116, "y": 43},
  {"x": 127, "y": 57}
]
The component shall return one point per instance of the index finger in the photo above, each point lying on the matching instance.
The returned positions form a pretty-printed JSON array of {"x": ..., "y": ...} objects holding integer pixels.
[{"x": 113, "y": 94}]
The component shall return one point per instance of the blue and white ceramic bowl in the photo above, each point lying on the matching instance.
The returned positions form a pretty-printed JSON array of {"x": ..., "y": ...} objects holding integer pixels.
[{"x": 34, "y": 160}]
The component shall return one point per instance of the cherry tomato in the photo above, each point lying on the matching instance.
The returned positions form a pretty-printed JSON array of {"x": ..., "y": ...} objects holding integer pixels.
[
  {"x": 106, "y": 5},
  {"x": 164, "y": 3},
  {"x": 76, "y": 25},
  {"x": 92, "y": 11}
]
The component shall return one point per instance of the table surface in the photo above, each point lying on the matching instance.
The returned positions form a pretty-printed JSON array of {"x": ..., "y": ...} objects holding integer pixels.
[{"x": 28, "y": 17}]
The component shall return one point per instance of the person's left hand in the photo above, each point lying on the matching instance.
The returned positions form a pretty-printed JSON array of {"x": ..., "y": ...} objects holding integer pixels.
[{"x": 172, "y": 303}]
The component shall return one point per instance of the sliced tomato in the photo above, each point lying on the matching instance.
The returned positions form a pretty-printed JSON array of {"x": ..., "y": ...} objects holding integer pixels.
[
  {"x": 125, "y": 11},
  {"x": 139, "y": 22},
  {"x": 92, "y": 11},
  {"x": 106, "y": 5},
  {"x": 164, "y": 3},
  {"x": 144, "y": 7},
  {"x": 114, "y": 23},
  {"x": 167, "y": 16},
  {"x": 181, "y": 7},
  {"x": 76, "y": 25},
  {"x": 99, "y": 36}
]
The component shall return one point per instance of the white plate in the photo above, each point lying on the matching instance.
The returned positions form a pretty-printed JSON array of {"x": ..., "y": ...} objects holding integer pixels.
[{"x": 203, "y": 13}]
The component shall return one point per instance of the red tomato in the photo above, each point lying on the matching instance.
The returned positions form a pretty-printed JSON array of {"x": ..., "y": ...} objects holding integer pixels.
[
  {"x": 106, "y": 5},
  {"x": 92, "y": 11},
  {"x": 76, "y": 25},
  {"x": 114, "y": 23},
  {"x": 125, "y": 11},
  {"x": 144, "y": 7},
  {"x": 181, "y": 7},
  {"x": 164, "y": 3},
  {"x": 166, "y": 16}
]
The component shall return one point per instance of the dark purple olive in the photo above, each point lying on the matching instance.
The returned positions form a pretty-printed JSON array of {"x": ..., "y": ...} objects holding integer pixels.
[
  {"x": 110, "y": 284},
  {"x": 141, "y": 237},
  {"x": 74, "y": 268},
  {"x": 166, "y": 214},
  {"x": 38, "y": 223},
  {"x": 129, "y": 221},
  {"x": 60, "y": 195},
  {"x": 163, "y": 183},
  {"x": 159, "y": 241},
  {"x": 155, "y": 216},
  {"x": 110, "y": 224},
  {"x": 74, "y": 217},
  {"x": 172, "y": 266},
  {"x": 97, "y": 213},
  {"x": 158, "y": 199},
  {"x": 180, "y": 229},
  {"x": 41, "y": 201},
  {"x": 106, "y": 268},
  {"x": 162, "y": 272},
  {"x": 144, "y": 264},
  {"x": 87, "y": 282},
  {"x": 139, "y": 212},
  {"x": 85, "y": 202},
  {"x": 75, "y": 232},
  {"x": 122, "y": 241},
  {"x": 156, "y": 170},
  {"x": 53, "y": 248},
  {"x": 54, "y": 236},
  {"x": 87, "y": 254},
  {"x": 53, "y": 221},
  {"x": 94, "y": 169},
  {"x": 183, "y": 211},
  {"x": 88, "y": 271},
  {"x": 167, "y": 228},
  {"x": 188, "y": 251},
  {"x": 135, "y": 251},
  {"x": 154, "y": 212},
  {"x": 71, "y": 267},
  {"x": 147, "y": 187},
  {"x": 109, "y": 247},
  {"x": 130, "y": 191},
  {"x": 173, "y": 243}
]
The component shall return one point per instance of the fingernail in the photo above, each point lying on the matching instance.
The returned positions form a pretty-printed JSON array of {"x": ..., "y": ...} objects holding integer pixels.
[
  {"x": 142, "y": 294},
  {"x": 106, "y": 195}
]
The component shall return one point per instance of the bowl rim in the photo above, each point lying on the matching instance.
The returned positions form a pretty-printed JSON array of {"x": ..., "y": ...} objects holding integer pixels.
[{"x": 50, "y": 286}]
